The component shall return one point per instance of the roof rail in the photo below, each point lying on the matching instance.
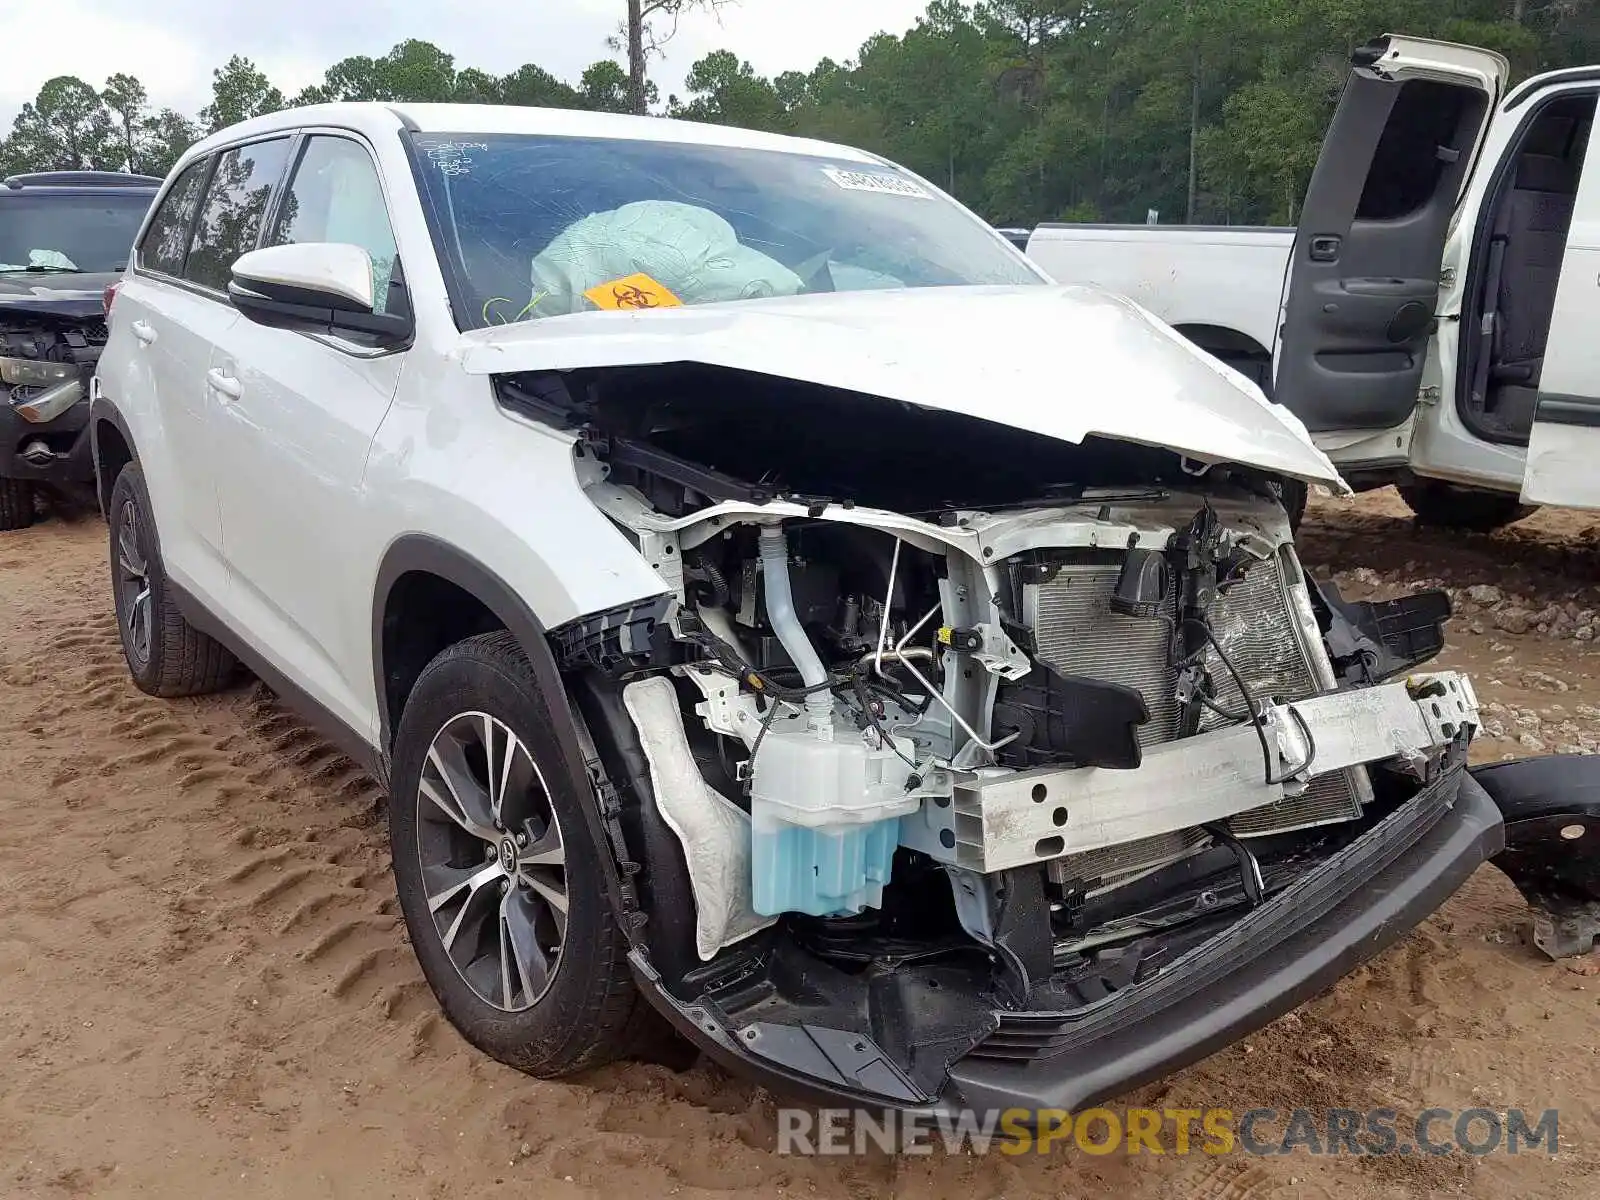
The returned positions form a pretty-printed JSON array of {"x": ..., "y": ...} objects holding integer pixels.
[{"x": 110, "y": 179}]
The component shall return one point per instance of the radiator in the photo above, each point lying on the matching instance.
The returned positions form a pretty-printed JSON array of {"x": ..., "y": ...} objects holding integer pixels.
[
  {"x": 1075, "y": 631},
  {"x": 1111, "y": 865}
]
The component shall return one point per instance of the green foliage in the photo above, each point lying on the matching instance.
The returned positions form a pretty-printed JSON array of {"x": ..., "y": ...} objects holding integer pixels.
[
  {"x": 725, "y": 91},
  {"x": 528, "y": 85},
  {"x": 239, "y": 91},
  {"x": 66, "y": 128},
  {"x": 167, "y": 135},
  {"x": 1027, "y": 110},
  {"x": 604, "y": 88}
]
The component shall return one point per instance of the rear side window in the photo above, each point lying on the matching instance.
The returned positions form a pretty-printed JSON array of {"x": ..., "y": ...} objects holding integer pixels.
[
  {"x": 235, "y": 205},
  {"x": 167, "y": 238}
]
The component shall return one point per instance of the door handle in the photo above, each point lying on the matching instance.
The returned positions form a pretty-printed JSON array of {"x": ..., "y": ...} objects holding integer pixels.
[
  {"x": 227, "y": 385},
  {"x": 145, "y": 332},
  {"x": 1325, "y": 248}
]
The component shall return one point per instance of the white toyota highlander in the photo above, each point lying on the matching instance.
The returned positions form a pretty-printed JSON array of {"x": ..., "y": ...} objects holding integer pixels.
[{"x": 777, "y": 610}]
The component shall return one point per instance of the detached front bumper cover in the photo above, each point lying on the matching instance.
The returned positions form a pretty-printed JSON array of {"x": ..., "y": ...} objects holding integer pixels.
[{"x": 1551, "y": 807}]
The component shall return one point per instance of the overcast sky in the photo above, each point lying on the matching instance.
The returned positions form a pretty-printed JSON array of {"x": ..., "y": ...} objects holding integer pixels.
[{"x": 173, "y": 45}]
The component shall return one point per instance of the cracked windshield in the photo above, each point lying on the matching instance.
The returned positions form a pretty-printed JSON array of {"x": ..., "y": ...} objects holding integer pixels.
[{"x": 539, "y": 226}]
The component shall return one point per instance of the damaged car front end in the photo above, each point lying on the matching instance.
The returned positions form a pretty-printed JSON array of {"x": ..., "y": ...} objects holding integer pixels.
[
  {"x": 963, "y": 765},
  {"x": 963, "y": 728},
  {"x": 64, "y": 237}
]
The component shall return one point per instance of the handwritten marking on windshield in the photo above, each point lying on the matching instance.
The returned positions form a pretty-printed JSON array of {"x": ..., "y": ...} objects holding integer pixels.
[{"x": 451, "y": 157}]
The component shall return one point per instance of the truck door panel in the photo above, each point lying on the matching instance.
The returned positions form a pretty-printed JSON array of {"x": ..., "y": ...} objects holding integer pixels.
[{"x": 1363, "y": 287}]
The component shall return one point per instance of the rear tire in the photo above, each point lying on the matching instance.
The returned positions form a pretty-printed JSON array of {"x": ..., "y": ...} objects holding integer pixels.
[
  {"x": 1445, "y": 506},
  {"x": 16, "y": 504},
  {"x": 500, "y": 883},
  {"x": 166, "y": 655}
]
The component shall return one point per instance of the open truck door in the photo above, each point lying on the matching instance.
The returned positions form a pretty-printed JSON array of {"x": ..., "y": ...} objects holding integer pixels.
[
  {"x": 1564, "y": 446},
  {"x": 1363, "y": 283}
]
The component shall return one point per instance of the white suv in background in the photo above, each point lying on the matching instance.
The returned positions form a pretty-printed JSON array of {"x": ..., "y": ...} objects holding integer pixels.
[{"x": 771, "y": 604}]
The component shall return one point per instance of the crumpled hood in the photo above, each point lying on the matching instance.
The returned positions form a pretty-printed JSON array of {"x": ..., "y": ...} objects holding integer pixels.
[
  {"x": 56, "y": 293},
  {"x": 1066, "y": 362}
]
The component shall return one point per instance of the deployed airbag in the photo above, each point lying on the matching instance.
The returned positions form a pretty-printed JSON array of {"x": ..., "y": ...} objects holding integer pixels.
[{"x": 689, "y": 250}]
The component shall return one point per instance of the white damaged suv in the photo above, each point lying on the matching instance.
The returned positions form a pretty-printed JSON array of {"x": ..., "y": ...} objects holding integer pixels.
[{"x": 774, "y": 606}]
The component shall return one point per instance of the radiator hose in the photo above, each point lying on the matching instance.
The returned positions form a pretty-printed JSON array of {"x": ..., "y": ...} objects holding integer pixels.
[{"x": 785, "y": 622}]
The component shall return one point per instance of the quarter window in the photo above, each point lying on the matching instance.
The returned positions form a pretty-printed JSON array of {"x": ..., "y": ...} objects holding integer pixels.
[
  {"x": 166, "y": 240},
  {"x": 335, "y": 196},
  {"x": 236, "y": 202}
]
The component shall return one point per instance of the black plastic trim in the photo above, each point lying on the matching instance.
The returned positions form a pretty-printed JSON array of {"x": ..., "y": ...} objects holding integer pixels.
[
  {"x": 72, "y": 468},
  {"x": 420, "y": 552},
  {"x": 613, "y": 641},
  {"x": 121, "y": 180},
  {"x": 103, "y": 409},
  {"x": 1371, "y": 54},
  {"x": 1582, "y": 411},
  {"x": 406, "y": 123},
  {"x": 1552, "y": 855}
]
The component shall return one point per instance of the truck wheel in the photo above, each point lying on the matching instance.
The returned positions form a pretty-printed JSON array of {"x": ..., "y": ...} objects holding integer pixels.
[
  {"x": 1446, "y": 506},
  {"x": 16, "y": 504},
  {"x": 166, "y": 655},
  {"x": 498, "y": 878}
]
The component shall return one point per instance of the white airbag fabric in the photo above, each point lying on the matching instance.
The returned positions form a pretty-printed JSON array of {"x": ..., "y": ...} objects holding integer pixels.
[
  {"x": 691, "y": 251},
  {"x": 714, "y": 831}
]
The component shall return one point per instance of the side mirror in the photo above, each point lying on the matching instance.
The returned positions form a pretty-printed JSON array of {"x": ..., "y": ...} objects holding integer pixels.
[{"x": 318, "y": 286}]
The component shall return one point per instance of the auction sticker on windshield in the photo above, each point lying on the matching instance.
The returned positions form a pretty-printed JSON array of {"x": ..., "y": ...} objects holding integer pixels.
[
  {"x": 633, "y": 292},
  {"x": 870, "y": 181}
]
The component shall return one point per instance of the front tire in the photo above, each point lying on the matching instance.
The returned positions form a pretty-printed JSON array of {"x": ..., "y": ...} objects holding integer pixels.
[
  {"x": 1445, "y": 506},
  {"x": 499, "y": 880},
  {"x": 16, "y": 504},
  {"x": 166, "y": 655}
]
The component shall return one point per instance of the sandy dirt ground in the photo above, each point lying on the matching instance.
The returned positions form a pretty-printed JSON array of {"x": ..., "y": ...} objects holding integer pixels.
[{"x": 205, "y": 989}]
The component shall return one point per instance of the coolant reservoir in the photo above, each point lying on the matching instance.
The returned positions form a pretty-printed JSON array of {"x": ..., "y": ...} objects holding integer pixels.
[{"x": 825, "y": 819}]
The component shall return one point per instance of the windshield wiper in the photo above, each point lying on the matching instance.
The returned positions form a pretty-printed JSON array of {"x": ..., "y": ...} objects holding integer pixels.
[{"x": 41, "y": 269}]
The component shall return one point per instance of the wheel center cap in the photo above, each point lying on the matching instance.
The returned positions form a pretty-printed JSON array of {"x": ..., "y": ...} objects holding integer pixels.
[{"x": 508, "y": 856}]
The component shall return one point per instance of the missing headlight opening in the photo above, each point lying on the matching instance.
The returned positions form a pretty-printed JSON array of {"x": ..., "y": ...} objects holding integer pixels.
[{"x": 944, "y": 721}]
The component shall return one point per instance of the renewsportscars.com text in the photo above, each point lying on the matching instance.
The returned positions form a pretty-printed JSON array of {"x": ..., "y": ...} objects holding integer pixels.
[{"x": 1171, "y": 1131}]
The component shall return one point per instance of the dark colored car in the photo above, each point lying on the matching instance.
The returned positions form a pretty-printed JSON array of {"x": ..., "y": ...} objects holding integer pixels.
[{"x": 64, "y": 239}]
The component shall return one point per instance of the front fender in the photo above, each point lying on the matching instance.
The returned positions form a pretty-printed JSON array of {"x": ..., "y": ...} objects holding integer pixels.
[{"x": 418, "y": 552}]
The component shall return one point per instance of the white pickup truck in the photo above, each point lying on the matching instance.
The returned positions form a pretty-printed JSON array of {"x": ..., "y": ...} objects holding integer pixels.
[{"x": 1433, "y": 318}]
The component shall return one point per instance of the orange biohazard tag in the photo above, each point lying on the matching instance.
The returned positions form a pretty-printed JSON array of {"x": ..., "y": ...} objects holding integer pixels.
[{"x": 634, "y": 292}]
